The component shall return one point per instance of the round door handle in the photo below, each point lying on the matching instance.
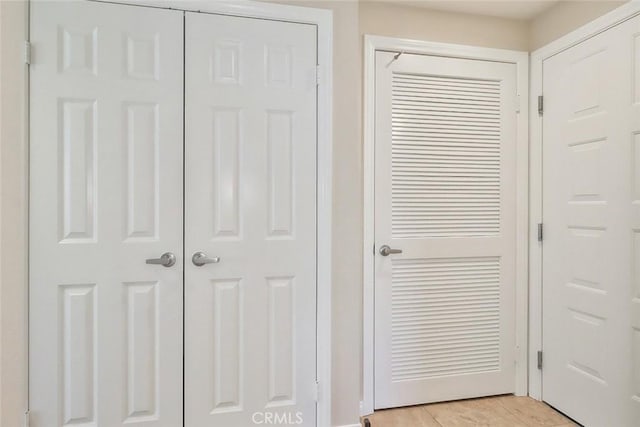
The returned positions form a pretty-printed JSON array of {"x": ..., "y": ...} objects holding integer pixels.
[
  {"x": 167, "y": 259},
  {"x": 385, "y": 250},
  {"x": 200, "y": 258}
]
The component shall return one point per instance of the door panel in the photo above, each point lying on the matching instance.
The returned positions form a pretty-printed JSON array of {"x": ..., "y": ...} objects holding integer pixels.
[
  {"x": 591, "y": 219},
  {"x": 445, "y": 196},
  {"x": 106, "y": 194},
  {"x": 250, "y": 340}
]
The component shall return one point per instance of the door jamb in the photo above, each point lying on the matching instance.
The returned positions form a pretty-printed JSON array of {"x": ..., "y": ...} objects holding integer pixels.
[
  {"x": 625, "y": 12},
  {"x": 521, "y": 59},
  {"x": 323, "y": 20}
]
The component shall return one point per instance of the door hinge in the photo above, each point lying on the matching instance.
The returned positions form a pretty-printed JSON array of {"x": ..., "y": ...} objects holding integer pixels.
[
  {"x": 317, "y": 392},
  {"x": 318, "y": 75},
  {"x": 27, "y": 421},
  {"x": 540, "y": 359},
  {"x": 27, "y": 52},
  {"x": 540, "y": 232},
  {"x": 541, "y": 105},
  {"x": 518, "y": 103}
]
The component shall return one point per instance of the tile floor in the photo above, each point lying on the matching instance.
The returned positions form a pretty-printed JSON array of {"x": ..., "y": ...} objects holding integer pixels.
[{"x": 497, "y": 411}]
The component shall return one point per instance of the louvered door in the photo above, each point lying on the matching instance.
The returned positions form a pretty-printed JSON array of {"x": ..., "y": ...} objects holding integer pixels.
[{"x": 445, "y": 196}]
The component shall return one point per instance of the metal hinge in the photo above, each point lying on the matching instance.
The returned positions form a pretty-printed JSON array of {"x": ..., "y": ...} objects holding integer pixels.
[
  {"x": 318, "y": 75},
  {"x": 541, "y": 105},
  {"x": 27, "y": 421},
  {"x": 27, "y": 52},
  {"x": 540, "y": 359},
  {"x": 540, "y": 232},
  {"x": 518, "y": 103},
  {"x": 317, "y": 392}
]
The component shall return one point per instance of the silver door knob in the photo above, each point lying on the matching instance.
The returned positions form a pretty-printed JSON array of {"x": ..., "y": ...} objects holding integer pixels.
[
  {"x": 167, "y": 259},
  {"x": 200, "y": 258},
  {"x": 385, "y": 250}
]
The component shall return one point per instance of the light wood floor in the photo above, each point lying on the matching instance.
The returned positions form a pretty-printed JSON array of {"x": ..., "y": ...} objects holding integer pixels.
[{"x": 498, "y": 411}]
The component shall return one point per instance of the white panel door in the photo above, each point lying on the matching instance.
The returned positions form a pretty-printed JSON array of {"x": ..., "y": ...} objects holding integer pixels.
[
  {"x": 106, "y": 194},
  {"x": 250, "y": 340},
  {"x": 591, "y": 214},
  {"x": 445, "y": 196}
]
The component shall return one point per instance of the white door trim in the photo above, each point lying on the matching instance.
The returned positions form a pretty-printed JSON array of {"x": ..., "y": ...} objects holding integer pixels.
[
  {"x": 603, "y": 23},
  {"x": 378, "y": 43},
  {"x": 323, "y": 19}
]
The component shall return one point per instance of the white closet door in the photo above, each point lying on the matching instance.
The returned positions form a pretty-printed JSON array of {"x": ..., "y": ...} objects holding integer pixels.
[
  {"x": 106, "y": 194},
  {"x": 445, "y": 196},
  {"x": 591, "y": 213},
  {"x": 250, "y": 349}
]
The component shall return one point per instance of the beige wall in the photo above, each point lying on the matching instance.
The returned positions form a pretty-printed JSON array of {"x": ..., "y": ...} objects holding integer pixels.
[
  {"x": 13, "y": 215},
  {"x": 347, "y": 215},
  {"x": 565, "y": 17},
  {"x": 419, "y": 23}
]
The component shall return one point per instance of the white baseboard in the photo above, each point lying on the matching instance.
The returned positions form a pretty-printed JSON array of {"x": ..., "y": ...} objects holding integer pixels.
[{"x": 351, "y": 425}]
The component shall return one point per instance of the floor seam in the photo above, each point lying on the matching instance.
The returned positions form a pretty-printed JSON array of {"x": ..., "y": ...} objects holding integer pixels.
[
  {"x": 515, "y": 414},
  {"x": 433, "y": 416}
]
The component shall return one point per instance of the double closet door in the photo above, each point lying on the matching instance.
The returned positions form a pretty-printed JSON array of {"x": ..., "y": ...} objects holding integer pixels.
[{"x": 172, "y": 218}]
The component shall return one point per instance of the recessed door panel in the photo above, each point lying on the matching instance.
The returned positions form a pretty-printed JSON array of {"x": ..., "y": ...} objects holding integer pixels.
[
  {"x": 143, "y": 186},
  {"x": 77, "y": 160},
  {"x": 78, "y": 330},
  {"x": 226, "y": 138},
  {"x": 142, "y": 357}
]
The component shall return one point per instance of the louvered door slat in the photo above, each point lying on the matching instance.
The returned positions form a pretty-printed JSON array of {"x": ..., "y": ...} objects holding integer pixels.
[{"x": 427, "y": 172}]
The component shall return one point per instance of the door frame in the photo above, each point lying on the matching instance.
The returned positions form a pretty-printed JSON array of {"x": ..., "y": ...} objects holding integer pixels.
[
  {"x": 623, "y": 13},
  {"x": 521, "y": 60},
  {"x": 323, "y": 20}
]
